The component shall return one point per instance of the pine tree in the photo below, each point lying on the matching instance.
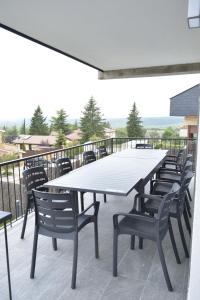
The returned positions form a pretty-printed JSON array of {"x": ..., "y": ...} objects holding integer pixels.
[
  {"x": 59, "y": 122},
  {"x": 12, "y": 130},
  {"x": 23, "y": 127},
  {"x": 38, "y": 125},
  {"x": 134, "y": 126},
  {"x": 92, "y": 123},
  {"x": 61, "y": 139}
]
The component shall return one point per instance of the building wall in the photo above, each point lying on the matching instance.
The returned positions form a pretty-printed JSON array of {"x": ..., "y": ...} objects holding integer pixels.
[
  {"x": 190, "y": 120},
  {"x": 194, "y": 280}
]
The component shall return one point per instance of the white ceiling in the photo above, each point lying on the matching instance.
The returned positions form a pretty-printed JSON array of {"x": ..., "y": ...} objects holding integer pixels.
[{"x": 109, "y": 34}]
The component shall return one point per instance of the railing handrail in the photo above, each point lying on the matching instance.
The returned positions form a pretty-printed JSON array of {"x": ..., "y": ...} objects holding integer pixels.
[{"x": 14, "y": 161}]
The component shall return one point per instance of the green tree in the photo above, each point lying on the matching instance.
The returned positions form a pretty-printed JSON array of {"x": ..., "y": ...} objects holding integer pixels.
[
  {"x": 12, "y": 130},
  {"x": 154, "y": 133},
  {"x": 23, "y": 127},
  {"x": 121, "y": 132},
  {"x": 170, "y": 132},
  {"x": 134, "y": 124},
  {"x": 75, "y": 126},
  {"x": 59, "y": 122},
  {"x": 61, "y": 139},
  {"x": 92, "y": 124},
  {"x": 38, "y": 125}
]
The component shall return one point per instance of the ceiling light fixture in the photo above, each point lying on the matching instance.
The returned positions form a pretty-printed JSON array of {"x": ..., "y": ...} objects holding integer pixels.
[{"x": 194, "y": 13}]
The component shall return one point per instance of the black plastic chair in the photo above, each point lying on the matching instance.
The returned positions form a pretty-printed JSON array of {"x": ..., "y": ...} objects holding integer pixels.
[
  {"x": 33, "y": 178},
  {"x": 174, "y": 167},
  {"x": 88, "y": 157},
  {"x": 174, "y": 160},
  {"x": 63, "y": 166},
  {"x": 177, "y": 208},
  {"x": 102, "y": 151},
  {"x": 56, "y": 216},
  {"x": 147, "y": 227},
  {"x": 176, "y": 176},
  {"x": 144, "y": 146}
]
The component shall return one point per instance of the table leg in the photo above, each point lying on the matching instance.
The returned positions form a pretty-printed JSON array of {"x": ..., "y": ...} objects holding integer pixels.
[
  {"x": 140, "y": 209},
  {"x": 7, "y": 260}
]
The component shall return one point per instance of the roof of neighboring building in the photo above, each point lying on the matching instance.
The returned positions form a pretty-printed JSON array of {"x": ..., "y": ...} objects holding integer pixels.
[
  {"x": 7, "y": 149},
  {"x": 35, "y": 139},
  {"x": 74, "y": 136},
  {"x": 186, "y": 103}
]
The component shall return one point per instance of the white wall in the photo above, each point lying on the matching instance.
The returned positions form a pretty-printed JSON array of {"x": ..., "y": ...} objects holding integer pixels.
[{"x": 194, "y": 280}]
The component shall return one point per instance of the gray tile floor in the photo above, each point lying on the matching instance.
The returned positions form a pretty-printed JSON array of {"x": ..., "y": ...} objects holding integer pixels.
[{"x": 139, "y": 271}]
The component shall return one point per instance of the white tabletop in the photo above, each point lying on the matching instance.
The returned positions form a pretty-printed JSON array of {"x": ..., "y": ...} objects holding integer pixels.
[{"x": 116, "y": 174}]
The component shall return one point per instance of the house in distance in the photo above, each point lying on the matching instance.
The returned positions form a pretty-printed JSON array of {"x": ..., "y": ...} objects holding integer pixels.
[{"x": 187, "y": 104}]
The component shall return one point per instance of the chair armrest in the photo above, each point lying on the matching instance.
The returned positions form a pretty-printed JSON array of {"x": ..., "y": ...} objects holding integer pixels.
[
  {"x": 149, "y": 196},
  {"x": 132, "y": 216},
  {"x": 171, "y": 155},
  {"x": 168, "y": 171},
  {"x": 96, "y": 208}
]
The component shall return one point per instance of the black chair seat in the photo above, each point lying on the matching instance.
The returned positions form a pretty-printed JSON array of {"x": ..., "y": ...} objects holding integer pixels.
[
  {"x": 162, "y": 187},
  {"x": 152, "y": 206},
  {"x": 142, "y": 228}
]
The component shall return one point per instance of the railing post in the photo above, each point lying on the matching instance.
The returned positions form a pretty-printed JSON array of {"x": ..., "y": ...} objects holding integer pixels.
[{"x": 111, "y": 145}]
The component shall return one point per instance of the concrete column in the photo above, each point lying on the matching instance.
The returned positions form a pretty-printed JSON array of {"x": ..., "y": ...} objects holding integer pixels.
[{"x": 194, "y": 280}]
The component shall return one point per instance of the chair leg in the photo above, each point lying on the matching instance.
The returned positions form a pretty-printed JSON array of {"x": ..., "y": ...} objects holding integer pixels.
[
  {"x": 187, "y": 204},
  {"x": 82, "y": 201},
  {"x": 189, "y": 195},
  {"x": 94, "y": 197},
  {"x": 173, "y": 243},
  {"x": 182, "y": 236},
  {"x": 54, "y": 243},
  {"x": 96, "y": 243},
  {"x": 75, "y": 259},
  {"x": 140, "y": 243},
  {"x": 25, "y": 220},
  {"x": 104, "y": 198},
  {"x": 164, "y": 266},
  {"x": 35, "y": 242},
  {"x": 115, "y": 252},
  {"x": 132, "y": 242},
  {"x": 187, "y": 222}
]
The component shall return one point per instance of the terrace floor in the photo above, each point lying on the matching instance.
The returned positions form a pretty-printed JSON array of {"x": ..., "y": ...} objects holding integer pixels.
[{"x": 139, "y": 271}]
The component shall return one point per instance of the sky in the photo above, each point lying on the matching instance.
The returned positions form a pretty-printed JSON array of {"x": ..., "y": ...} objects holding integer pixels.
[{"x": 32, "y": 75}]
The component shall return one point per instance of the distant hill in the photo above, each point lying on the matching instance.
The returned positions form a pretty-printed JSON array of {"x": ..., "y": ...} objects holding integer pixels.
[
  {"x": 154, "y": 122},
  {"x": 151, "y": 122}
]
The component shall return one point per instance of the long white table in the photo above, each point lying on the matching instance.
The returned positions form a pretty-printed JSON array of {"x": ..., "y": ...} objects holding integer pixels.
[{"x": 116, "y": 174}]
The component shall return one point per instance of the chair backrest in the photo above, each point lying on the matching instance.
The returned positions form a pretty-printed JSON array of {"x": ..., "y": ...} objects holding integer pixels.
[
  {"x": 63, "y": 166},
  {"x": 179, "y": 156},
  {"x": 34, "y": 177},
  {"x": 180, "y": 198},
  {"x": 186, "y": 167},
  {"x": 144, "y": 146},
  {"x": 163, "y": 211},
  {"x": 55, "y": 213},
  {"x": 102, "y": 151},
  {"x": 88, "y": 157}
]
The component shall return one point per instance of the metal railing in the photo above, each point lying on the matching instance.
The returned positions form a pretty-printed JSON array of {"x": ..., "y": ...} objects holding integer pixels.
[{"x": 12, "y": 190}]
